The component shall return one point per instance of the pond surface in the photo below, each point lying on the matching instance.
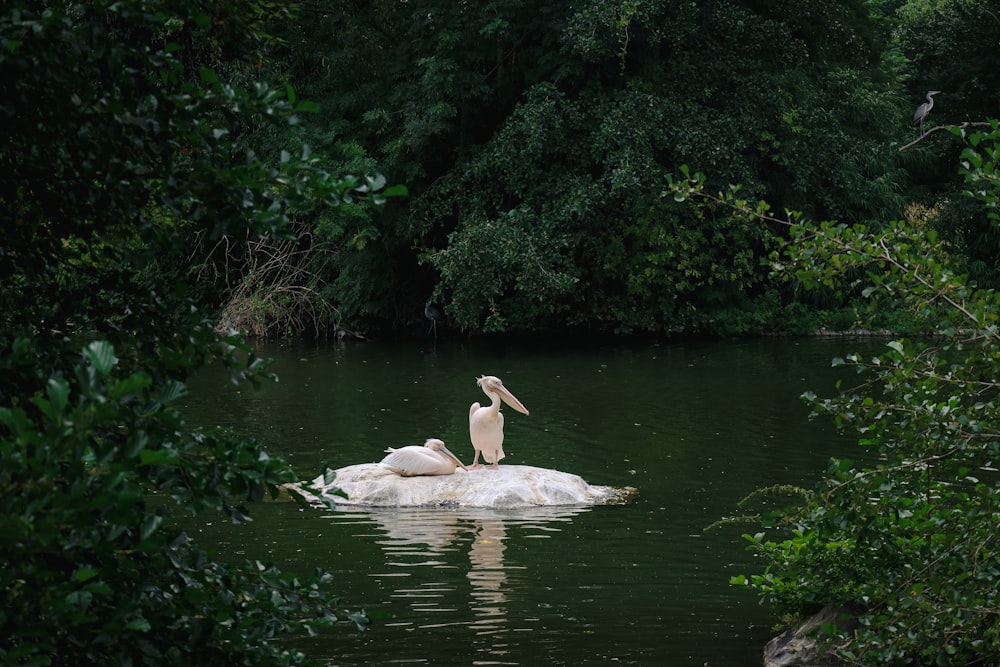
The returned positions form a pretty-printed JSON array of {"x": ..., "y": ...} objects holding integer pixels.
[{"x": 694, "y": 426}]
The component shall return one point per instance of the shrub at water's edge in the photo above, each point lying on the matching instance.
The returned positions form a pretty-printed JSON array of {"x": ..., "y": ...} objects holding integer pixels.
[
  {"x": 118, "y": 156},
  {"x": 908, "y": 539}
]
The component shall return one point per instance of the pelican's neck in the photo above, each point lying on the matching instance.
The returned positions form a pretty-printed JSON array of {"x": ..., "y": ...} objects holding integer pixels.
[{"x": 494, "y": 401}]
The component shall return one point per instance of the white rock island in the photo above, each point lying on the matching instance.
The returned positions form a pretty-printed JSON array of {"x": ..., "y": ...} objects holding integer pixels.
[{"x": 509, "y": 486}]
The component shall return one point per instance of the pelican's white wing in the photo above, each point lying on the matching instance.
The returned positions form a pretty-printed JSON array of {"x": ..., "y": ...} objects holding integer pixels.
[{"x": 414, "y": 460}]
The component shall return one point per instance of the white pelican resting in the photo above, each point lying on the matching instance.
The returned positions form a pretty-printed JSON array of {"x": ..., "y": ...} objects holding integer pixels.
[
  {"x": 486, "y": 423},
  {"x": 431, "y": 459}
]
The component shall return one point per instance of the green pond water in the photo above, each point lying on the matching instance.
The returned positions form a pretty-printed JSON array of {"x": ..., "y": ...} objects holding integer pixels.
[{"x": 693, "y": 426}]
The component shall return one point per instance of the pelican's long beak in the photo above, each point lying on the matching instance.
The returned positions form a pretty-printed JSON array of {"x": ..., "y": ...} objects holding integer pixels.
[
  {"x": 454, "y": 458},
  {"x": 511, "y": 400}
]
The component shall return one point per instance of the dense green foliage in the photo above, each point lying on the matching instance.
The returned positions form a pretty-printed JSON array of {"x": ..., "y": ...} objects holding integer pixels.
[
  {"x": 952, "y": 47},
  {"x": 119, "y": 148},
  {"x": 153, "y": 184},
  {"x": 906, "y": 542},
  {"x": 535, "y": 137}
]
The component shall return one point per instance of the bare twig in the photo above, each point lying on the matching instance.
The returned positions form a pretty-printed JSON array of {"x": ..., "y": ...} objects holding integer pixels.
[{"x": 279, "y": 291}]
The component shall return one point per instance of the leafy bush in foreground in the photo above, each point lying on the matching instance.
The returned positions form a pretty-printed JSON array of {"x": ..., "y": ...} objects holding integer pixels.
[
  {"x": 118, "y": 148},
  {"x": 908, "y": 541}
]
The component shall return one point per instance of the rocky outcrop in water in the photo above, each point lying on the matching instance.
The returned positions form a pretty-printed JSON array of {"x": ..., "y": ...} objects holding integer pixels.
[{"x": 509, "y": 486}]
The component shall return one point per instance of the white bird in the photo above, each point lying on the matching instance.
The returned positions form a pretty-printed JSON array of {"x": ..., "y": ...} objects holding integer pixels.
[
  {"x": 433, "y": 458},
  {"x": 486, "y": 423}
]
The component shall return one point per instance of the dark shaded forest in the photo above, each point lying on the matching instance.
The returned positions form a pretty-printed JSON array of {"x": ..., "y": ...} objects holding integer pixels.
[
  {"x": 178, "y": 175},
  {"x": 536, "y": 140}
]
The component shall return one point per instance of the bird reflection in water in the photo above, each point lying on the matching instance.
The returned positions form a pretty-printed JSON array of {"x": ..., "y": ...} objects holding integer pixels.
[
  {"x": 415, "y": 539},
  {"x": 488, "y": 578}
]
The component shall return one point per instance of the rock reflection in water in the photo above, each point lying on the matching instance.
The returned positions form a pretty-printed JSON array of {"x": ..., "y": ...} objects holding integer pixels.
[{"x": 418, "y": 542}]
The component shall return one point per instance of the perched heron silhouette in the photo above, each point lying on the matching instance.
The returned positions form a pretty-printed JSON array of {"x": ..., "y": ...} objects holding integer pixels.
[
  {"x": 924, "y": 109},
  {"x": 434, "y": 314},
  {"x": 486, "y": 422}
]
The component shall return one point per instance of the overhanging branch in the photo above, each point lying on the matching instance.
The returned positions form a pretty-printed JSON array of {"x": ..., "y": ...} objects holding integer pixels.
[{"x": 936, "y": 128}]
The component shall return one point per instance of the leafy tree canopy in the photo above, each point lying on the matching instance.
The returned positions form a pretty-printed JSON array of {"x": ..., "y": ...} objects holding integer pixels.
[
  {"x": 120, "y": 145},
  {"x": 535, "y": 136},
  {"x": 951, "y": 46}
]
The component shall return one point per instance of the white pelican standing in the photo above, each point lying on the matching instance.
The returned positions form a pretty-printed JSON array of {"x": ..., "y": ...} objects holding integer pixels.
[
  {"x": 486, "y": 423},
  {"x": 433, "y": 458}
]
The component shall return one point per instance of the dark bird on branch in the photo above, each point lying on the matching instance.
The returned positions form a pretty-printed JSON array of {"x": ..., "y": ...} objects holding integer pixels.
[{"x": 924, "y": 109}]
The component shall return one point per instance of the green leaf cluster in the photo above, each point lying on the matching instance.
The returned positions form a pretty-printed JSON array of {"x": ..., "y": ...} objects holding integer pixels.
[
  {"x": 124, "y": 142},
  {"x": 905, "y": 538},
  {"x": 951, "y": 46},
  {"x": 534, "y": 138}
]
